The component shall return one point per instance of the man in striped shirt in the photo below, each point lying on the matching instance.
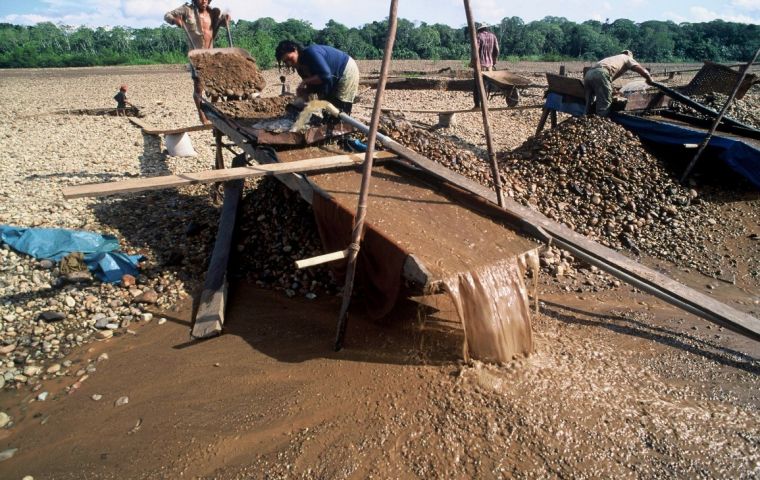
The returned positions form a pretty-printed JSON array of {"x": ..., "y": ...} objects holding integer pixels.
[{"x": 488, "y": 53}]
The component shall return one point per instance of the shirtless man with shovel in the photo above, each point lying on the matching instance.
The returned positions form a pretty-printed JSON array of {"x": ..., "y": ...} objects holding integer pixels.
[{"x": 201, "y": 24}]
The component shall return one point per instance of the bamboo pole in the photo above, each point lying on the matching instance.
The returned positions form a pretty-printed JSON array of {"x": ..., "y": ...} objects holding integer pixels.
[
  {"x": 483, "y": 103},
  {"x": 361, "y": 210},
  {"x": 715, "y": 124}
]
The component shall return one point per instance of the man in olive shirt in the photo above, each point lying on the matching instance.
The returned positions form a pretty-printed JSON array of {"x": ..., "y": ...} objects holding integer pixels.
[
  {"x": 597, "y": 82},
  {"x": 201, "y": 25}
]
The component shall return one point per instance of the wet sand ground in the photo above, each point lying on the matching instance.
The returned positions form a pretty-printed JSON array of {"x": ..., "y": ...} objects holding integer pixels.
[{"x": 621, "y": 385}]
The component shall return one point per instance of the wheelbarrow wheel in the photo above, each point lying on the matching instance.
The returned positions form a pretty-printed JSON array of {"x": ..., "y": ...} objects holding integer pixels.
[{"x": 513, "y": 97}]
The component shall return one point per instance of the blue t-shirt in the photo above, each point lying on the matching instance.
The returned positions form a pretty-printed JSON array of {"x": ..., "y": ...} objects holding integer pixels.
[{"x": 327, "y": 63}]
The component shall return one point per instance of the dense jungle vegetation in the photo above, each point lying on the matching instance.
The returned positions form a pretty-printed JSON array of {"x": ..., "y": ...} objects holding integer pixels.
[{"x": 552, "y": 38}]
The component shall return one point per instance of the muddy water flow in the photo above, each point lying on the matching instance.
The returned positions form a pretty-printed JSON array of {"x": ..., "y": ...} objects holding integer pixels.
[{"x": 492, "y": 304}]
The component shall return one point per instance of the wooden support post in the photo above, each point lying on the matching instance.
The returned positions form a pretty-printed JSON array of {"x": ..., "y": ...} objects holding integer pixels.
[
  {"x": 219, "y": 163},
  {"x": 446, "y": 120},
  {"x": 480, "y": 88},
  {"x": 210, "y": 316},
  {"x": 361, "y": 208},
  {"x": 542, "y": 122}
]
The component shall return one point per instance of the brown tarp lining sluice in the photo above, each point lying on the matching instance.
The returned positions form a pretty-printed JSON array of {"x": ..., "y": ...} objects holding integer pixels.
[{"x": 380, "y": 262}]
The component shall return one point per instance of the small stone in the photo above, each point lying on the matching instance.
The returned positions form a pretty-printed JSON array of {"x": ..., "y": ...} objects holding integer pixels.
[
  {"x": 311, "y": 296},
  {"x": 146, "y": 317},
  {"x": 104, "y": 334},
  {"x": 70, "y": 302},
  {"x": 7, "y": 454},
  {"x": 51, "y": 316},
  {"x": 161, "y": 321},
  {"x": 102, "y": 322},
  {"x": 112, "y": 326},
  {"x": 121, "y": 401},
  {"x": 103, "y": 357},
  {"x": 46, "y": 264},
  {"x": 54, "y": 368},
  {"x": 79, "y": 277},
  {"x": 5, "y": 349},
  {"x": 148, "y": 296},
  {"x": 42, "y": 396},
  {"x": 97, "y": 397},
  {"x": 128, "y": 280},
  {"x": 5, "y": 419},
  {"x": 32, "y": 370}
]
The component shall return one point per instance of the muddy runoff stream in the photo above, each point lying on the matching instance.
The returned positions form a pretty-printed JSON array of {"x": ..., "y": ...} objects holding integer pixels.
[{"x": 492, "y": 303}]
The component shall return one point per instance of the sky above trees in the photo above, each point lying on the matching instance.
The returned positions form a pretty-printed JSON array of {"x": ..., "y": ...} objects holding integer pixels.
[{"x": 149, "y": 13}]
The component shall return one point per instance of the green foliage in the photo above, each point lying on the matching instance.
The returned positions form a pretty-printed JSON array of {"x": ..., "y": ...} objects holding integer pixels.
[{"x": 549, "y": 39}]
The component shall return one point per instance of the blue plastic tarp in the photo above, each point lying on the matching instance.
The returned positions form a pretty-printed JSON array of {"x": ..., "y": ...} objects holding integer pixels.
[
  {"x": 555, "y": 101},
  {"x": 100, "y": 251},
  {"x": 742, "y": 157}
]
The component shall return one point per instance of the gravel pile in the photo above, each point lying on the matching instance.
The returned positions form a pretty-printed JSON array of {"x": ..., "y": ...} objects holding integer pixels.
[
  {"x": 594, "y": 176},
  {"x": 745, "y": 110},
  {"x": 277, "y": 228}
]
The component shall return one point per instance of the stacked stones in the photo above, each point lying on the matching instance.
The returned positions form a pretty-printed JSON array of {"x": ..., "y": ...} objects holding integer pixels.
[{"x": 277, "y": 228}]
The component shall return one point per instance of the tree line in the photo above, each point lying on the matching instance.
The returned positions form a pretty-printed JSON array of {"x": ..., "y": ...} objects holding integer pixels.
[{"x": 549, "y": 39}]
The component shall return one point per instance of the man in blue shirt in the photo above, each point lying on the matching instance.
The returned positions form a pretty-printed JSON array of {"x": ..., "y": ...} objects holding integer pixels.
[{"x": 325, "y": 71}]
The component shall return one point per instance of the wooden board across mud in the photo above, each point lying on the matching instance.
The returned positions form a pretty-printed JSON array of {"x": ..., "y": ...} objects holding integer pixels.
[{"x": 445, "y": 236}]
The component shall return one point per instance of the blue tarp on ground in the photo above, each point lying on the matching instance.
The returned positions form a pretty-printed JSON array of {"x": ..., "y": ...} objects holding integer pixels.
[
  {"x": 740, "y": 156},
  {"x": 100, "y": 251}
]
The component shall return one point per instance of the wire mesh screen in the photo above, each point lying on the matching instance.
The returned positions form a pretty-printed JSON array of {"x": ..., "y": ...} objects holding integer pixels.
[{"x": 716, "y": 78}]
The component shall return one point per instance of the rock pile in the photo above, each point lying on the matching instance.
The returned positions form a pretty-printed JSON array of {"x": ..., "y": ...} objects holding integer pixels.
[
  {"x": 745, "y": 110},
  {"x": 594, "y": 176},
  {"x": 277, "y": 228},
  {"x": 448, "y": 152}
]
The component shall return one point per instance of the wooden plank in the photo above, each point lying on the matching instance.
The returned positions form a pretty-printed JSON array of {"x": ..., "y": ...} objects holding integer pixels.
[
  {"x": 604, "y": 258},
  {"x": 209, "y": 318},
  {"x": 565, "y": 85},
  {"x": 148, "y": 130},
  {"x": 447, "y": 112},
  {"x": 219, "y": 175},
  {"x": 321, "y": 259}
]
